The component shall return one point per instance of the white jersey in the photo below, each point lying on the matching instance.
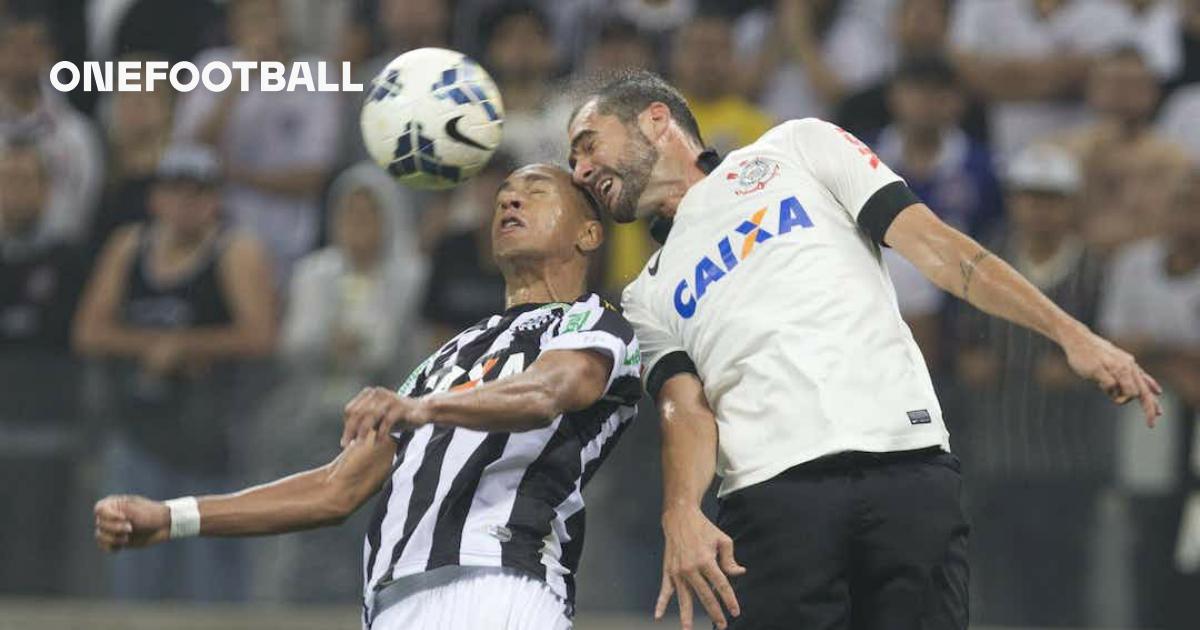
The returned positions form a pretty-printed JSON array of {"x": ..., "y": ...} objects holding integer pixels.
[{"x": 769, "y": 284}]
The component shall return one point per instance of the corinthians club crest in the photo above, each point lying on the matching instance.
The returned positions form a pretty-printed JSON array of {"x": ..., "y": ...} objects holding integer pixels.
[{"x": 753, "y": 175}]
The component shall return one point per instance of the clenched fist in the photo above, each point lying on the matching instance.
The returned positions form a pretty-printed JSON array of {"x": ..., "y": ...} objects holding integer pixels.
[{"x": 126, "y": 521}]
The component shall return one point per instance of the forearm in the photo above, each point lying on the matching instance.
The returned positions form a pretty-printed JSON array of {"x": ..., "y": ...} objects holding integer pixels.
[
  {"x": 116, "y": 340},
  {"x": 519, "y": 403},
  {"x": 982, "y": 279},
  {"x": 689, "y": 445},
  {"x": 301, "y": 501},
  {"x": 315, "y": 498}
]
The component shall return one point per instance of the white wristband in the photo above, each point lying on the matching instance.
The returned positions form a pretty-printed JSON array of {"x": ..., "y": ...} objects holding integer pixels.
[{"x": 185, "y": 517}]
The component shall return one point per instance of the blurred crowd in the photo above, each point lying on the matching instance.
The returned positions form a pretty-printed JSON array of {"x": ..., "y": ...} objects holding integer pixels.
[{"x": 192, "y": 285}]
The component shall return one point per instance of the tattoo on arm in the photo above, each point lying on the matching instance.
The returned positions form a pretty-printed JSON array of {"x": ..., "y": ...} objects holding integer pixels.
[{"x": 968, "y": 270}]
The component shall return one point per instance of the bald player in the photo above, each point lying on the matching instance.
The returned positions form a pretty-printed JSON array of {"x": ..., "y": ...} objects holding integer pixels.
[{"x": 480, "y": 457}]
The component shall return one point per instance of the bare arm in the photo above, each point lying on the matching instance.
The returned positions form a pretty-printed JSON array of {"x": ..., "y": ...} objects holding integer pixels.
[
  {"x": 558, "y": 381},
  {"x": 698, "y": 556},
  {"x": 97, "y": 328},
  {"x": 959, "y": 265},
  {"x": 315, "y": 498},
  {"x": 246, "y": 280}
]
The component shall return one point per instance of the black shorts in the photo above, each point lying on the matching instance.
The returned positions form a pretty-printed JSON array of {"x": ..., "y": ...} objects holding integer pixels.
[{"x": 855, "y": 540}]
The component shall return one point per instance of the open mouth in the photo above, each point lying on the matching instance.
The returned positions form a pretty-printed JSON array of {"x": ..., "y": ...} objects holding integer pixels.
[
  {"x": 511, "y": 222},
  {"x": 604, "y": 190}
]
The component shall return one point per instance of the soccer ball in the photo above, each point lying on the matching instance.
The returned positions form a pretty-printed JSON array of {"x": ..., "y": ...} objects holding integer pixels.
[{"x": 432, "y": 118}]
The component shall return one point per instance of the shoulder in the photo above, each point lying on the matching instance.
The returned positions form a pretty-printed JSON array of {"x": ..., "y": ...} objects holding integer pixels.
[{"x": 241, "y": 252}]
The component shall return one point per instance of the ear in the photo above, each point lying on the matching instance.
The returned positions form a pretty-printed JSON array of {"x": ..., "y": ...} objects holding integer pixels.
[
  {"x": 591, "y": 236},
  {"x": 655, "y": 121}
]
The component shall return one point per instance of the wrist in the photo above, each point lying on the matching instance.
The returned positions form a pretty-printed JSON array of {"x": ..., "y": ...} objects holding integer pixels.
[
  {"x": 679, "y": 509},
  {"x": 184, "y": 517},
  {"x": 425, "y": 410},
  {"x": 1067, "y": 331}
]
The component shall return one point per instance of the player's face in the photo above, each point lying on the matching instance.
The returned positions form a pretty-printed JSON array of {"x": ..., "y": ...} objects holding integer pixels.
[
  {"x": 540, "y": 214},
  {"x": 612, "y": 160}
]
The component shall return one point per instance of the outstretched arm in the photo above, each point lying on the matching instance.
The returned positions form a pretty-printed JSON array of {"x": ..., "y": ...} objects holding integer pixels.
[
  {"x": 558, "y": 381},
  {"x": 315, "y": 498},
  {"x": 959, "y": 265}
]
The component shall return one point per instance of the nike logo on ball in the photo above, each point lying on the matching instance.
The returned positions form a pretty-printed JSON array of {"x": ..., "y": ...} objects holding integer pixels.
[{"x": 453, "y": 132}]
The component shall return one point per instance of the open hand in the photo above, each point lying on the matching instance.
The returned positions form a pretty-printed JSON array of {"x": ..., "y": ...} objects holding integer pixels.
[
  {"x": 697, "y": 558},
  {"x": 126, "y": 521},
  {"x": 1114, "y": 370}
]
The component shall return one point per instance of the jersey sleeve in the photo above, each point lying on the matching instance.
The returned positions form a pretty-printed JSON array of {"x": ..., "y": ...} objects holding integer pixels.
[
  {"x": 663, "y": 355},
  {"x": 591, "y": 323},
  {"x": 861, "y": 183}
]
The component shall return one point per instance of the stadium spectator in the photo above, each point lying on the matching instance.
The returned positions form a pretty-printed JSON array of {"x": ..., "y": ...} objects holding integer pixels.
[
  {"x": 278, "y": 148},
  {"x": 705, "y": 69},
  {"x": 40, "y": 275},
  {"x": 920, "y": 28},
  {"x": 352, "y": 319},
  {"x": 1152, "y": 296},
  {"x": 173, "y": 308},
  {"x": 815, "y": 52},
  {"x": 28, "y": 106},
  {"x": 1029, "y": 58},
  {"x": 464, "y": 283},
  {"x": 1151, "y": 305},
  {"x": 353, "y": 304},
  {"x": 1038, "y": 439},
  {"x": 521, "y": 57},
  {"x": 1130, "y": 171},
  {"x": 40, "y": 278},
  {"x": 138, "y": 129},
  {"x": 948, "y": 170}
]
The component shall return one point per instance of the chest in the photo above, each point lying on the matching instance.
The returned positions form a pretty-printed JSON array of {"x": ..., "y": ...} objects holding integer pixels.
[
  {"x": 752, "y": 220},
  {"x": 499, "y": 347}
]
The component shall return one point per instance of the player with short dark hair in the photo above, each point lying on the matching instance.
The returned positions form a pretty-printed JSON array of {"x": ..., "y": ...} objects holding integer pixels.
[
  {"x": 480, "y": 522},
  {"x": 768, "y": 318}
]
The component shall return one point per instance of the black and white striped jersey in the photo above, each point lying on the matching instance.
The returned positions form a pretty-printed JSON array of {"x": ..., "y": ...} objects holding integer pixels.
[{"x": 471, "y": 498}]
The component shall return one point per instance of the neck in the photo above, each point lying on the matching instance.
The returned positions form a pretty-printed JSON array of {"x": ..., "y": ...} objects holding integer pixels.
[
  {"x": 683, "y": 174},
  {"x": 541, "y": 281}
]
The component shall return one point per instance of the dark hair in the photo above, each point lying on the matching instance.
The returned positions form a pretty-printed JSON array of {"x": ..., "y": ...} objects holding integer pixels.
[
  {"x": 928, "y": 71},
  {"x": 631, "y": 91}
]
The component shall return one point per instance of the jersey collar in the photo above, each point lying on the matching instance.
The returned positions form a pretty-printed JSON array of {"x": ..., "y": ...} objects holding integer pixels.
[{"x": 707, "y": 162}]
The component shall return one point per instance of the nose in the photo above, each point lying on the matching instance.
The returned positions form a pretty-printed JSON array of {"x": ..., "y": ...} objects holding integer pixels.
[
  {"x": 583, "y": 172},
  {"x": 509, "y": 201}
]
